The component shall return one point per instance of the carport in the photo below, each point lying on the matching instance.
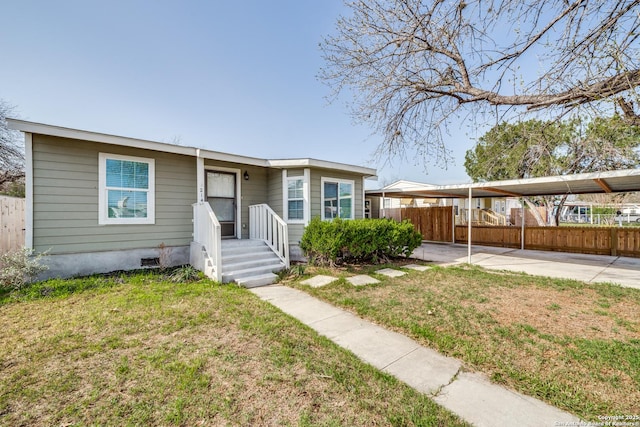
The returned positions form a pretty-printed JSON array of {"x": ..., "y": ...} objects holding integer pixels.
[{"x": 619, "y": 181}]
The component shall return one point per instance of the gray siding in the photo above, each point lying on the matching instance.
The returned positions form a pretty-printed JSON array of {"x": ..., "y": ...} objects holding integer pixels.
[
  {"x": 276, "y": 200},
  {"x": 276, "y": 196},
  {"x": 316, "y": 192},
  {"x": 275, "y": 191},
  {"x": 252, "y": 191},
  {"x": 295, "y": 233},
  {"x": 65, "y": 199}
]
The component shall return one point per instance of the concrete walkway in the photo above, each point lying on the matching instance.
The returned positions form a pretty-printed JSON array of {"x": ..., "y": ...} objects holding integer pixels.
[
  {"x": 470, "y": 395},
  {"x": 623, "y": 271}
]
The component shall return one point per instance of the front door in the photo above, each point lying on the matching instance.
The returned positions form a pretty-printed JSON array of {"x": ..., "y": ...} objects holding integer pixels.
[{"x": 221, "y": 195}]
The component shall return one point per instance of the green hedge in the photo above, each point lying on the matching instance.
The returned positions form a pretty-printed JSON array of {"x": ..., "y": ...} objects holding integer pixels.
[{"x": 368, "y": 240}]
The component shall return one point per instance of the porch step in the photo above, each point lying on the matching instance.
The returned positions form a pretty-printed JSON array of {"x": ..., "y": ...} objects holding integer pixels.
[
  {"x": 255, "y": 281},
  {"x": 249, "y": 263}
]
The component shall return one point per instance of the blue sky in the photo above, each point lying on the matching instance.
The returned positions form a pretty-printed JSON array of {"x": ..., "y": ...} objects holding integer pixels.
[{"x": 232, "y": 76}]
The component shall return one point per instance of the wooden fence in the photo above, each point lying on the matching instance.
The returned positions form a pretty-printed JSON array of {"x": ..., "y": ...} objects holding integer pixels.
[
  {"x": 435, "y": 225},
  {"x": 11, "y": 223},
  {"x": 615, "y": 241}
]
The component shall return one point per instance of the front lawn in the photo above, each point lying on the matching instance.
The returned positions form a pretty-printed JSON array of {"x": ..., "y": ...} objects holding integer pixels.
[
  {"x": 140, "y": 350},
  {"x": 573, "y": 345}
]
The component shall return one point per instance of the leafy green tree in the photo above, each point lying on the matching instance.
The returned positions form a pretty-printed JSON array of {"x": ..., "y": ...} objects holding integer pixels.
[{"x": 537, "y": 148}]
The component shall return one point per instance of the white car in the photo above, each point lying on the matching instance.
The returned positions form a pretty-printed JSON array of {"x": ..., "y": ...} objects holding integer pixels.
[{"x": 627, "y": 217}]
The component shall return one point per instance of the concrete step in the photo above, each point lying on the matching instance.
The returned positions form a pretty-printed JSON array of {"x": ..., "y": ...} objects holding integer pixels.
[
  {"x": 244, "y": 256},
  {"x": 235, "y": 275},
  {"x": 248, "y": 262},
  {"x": 241, "y": 244},
  {"x": 240, "y": 250},
  {"x": 259, "y": 280}
]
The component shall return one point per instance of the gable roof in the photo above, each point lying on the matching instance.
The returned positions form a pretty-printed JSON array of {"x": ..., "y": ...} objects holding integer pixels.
[{"x": 83, "y": 135}]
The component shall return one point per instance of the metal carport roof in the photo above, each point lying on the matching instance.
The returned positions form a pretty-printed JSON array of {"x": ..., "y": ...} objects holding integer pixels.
[{"x": 619, "y": 181}]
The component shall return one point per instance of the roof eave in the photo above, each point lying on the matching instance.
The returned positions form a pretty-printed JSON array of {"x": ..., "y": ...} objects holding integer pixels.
[
  {"x": 323, "y": 164},
  {"x": 63, "y": 132}
]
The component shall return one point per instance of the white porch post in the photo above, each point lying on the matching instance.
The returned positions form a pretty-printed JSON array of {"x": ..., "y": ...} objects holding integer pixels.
[
  {"x": 199, "y": 176},
  {"x": 383, "y": 211}
]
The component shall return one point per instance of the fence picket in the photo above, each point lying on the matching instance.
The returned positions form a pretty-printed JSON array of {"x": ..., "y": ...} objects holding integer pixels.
[
  {"x": 436, "y": 224},
  {"x": 11, "y": 223}
]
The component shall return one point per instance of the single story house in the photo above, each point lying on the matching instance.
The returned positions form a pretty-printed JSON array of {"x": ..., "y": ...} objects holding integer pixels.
[{"x": 99, "y": 203}]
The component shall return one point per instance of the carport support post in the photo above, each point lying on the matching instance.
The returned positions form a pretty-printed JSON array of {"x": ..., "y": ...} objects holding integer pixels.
[
  {"x": 469, "y": 228},
  {"x": 453, "y": 222},
  {"x": 522, "y": 225}
]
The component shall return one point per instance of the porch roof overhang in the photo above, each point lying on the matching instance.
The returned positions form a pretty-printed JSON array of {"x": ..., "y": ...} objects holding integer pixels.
[
  {"x": 83, "y": 135},
  {"x": 619, "y": 181},
  {"x": 322, "y": 164}
]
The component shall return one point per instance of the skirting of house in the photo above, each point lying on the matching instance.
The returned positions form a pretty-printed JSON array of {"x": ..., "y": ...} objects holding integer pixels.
[
  {"x": 296, "y": 254},
  {"x": 84, "y": 264}
]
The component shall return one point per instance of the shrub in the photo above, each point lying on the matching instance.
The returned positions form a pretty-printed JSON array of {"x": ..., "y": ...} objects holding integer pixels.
[
  {"x": 329, "y": 242},
  {"x": 18, "y": 268},
  {"x": 185, "y": 274}
]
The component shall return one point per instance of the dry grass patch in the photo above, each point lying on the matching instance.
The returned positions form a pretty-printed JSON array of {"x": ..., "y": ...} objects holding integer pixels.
[
  {"x": 137, "y": 350},
  {"x": 579, "y": 313},
  {"x": 574, "y": 345}
]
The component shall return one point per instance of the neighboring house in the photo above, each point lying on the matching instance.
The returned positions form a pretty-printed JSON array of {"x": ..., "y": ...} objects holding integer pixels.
[
  {"x": 379, "y": 204},
  {"x": 99, "y": 203},
  {"x": 411, "y": 194}
]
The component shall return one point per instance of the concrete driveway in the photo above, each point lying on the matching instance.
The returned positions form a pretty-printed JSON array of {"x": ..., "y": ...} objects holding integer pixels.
[{"x": 587, "y": 268}]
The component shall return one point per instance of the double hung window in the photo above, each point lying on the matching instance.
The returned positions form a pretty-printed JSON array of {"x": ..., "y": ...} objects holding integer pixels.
[
  {"x": 127, "y": 193},
  {"x": 295, "y": 199},
  {"x": 337, "y": 198}
]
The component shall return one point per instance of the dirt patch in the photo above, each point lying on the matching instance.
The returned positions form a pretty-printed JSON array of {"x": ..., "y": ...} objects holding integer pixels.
[{"x": 564, "y": 313}]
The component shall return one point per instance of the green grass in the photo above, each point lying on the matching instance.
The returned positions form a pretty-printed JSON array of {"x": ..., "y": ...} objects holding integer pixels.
[
  {"x": 141, "y": 350},
  {"x": 574, "y": 345}
]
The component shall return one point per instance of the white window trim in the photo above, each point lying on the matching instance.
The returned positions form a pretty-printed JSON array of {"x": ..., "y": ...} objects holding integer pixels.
[
  {"x": 103, "y": 218},
  {"x": 338, "y": 181},
  {"x": 305, "y": 196}
]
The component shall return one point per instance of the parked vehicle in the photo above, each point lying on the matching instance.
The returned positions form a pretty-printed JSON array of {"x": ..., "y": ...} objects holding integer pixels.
[{"x": 628, "y": 215}]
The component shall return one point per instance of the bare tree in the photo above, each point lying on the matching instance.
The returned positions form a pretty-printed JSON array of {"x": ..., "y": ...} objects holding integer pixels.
[
  {"x": 11, "y": 149},
  {"x": 412, "y": 65}
]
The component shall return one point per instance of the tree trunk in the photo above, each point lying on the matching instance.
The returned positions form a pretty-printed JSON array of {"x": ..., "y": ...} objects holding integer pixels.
[
  {"x": 542, "y": 222},
  {"x": 556, "y": 217}
]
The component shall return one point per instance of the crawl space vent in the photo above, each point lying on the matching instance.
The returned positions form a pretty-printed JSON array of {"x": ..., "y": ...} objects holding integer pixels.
[{"x": 149, "y": 262}]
